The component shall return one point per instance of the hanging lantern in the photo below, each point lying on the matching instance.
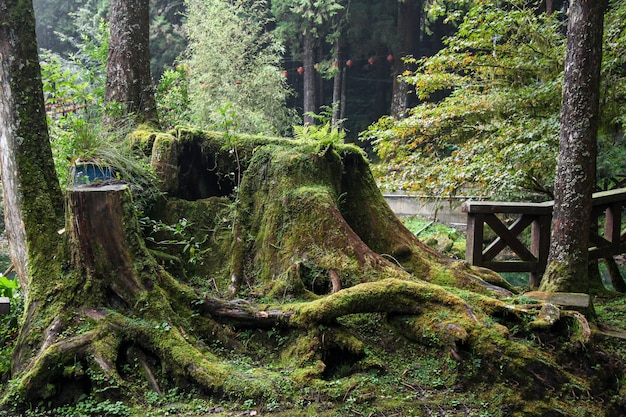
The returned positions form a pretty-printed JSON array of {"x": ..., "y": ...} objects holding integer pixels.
[
  {"x": 349, "y": 63},
  {"x": 389, "y": 58},
  {"x": 371, "y": 60},
  {"x": 286, "y": 73},
  {"x": 300, "y": 70}
]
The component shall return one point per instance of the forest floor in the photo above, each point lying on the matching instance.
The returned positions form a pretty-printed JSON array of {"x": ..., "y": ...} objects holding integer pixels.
[{"x": 409, "y": 379}]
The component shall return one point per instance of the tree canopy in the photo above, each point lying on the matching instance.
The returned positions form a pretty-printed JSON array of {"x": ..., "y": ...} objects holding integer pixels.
[{"x": 490, "y": 119}]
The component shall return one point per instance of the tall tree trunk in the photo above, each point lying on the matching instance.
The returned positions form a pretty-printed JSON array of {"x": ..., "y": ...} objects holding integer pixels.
[
  {"x": 337, "y": 82},
  {"x": 342, "y": 106},
  {"x": 309, "y": 78},
  {"x": 33, "y": 203},
  {"x": 128, "y": 79},
  {"x": 409, "y": 25},
  {"x": 567, "y": 263}
]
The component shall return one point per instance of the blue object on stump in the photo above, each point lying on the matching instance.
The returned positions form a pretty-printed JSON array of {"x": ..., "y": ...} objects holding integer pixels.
[{"x": 90, "y": 172}]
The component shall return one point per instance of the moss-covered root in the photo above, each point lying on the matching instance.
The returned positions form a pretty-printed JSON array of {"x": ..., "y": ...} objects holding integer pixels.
[
  {"x": 92, "y": 362},
  {"x": 385, "y": 296},
  {"x": 182, "y": 357},
  {"x": 57, "y": 374}
]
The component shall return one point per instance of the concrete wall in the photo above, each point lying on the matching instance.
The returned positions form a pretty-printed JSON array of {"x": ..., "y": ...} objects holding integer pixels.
[{"x": 446, "y": 210}]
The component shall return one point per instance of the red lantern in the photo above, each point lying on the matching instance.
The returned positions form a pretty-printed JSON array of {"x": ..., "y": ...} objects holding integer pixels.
[
  {"x": 300, "y": 70},
  {"x": 371, "y": 60},
  {"x": 389, "y": 58},
  {"x": 349, "y": 63}
]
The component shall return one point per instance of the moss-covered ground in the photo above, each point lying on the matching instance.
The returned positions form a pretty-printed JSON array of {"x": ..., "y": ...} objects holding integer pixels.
[{"x": 394, "y": 378}]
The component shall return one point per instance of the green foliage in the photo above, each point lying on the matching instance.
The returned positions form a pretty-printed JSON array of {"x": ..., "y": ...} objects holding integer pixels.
[
  {"x": 9, "y": 327},
  {"x": 178, "y": 234},
  {"x": 167, "y": 36},
  {"x": 74, "y": 96},
  {"x": 439, "y": 236},
  {"x": 614, "y": 69},
  {"x": 324, "y": 131},
  {"x": 295, "y": 18},
  {"x": 173, "y": 98},
  {"x": 8, "y": 287},
  {"x": 496, "y": 130},
  {"x": 87, "y": 407},
  {"x": 233, "y": 59}
]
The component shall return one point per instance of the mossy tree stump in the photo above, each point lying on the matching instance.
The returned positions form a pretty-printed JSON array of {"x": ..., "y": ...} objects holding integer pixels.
[{"x": 304, "y": 241}]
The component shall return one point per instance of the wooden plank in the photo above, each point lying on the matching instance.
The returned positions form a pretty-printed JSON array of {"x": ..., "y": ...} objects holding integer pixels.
[
  {"x": 540, "y": 247},
  {"x": 598, "y": 241},
  {"x": 491, "y": 207},
  {"x": 613, "y": 222},
  {"x": 511, "y": 266},
  {"x": 474, "y": 239},
  {"x": 606, "y": 251},
  {"x": 511, "y": 240},
  {"x": 609, "y": 197},
  {"x": 5, "y": 305},
  {"x": 565, "y": 299},
  {"x": 620, "y": 334},
  {"x": 613, "y": 242},
  {"x": 518, "y": 226}
]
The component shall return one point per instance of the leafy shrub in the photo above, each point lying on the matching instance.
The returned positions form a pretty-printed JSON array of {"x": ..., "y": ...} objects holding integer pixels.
[
  {"x": 232, "y": 58},
  {"x": 9, "y": 322},
  {"x": 173, "y": 97}
]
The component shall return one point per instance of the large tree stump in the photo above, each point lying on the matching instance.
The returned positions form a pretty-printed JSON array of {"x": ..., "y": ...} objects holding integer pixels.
[{"x": 104, "y": 238}]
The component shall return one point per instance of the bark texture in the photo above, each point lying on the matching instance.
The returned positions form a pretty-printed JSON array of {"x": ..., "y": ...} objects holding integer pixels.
[
  {"x": 33, "y": 205},
  {"x": 575, "y": 179},
  {"x": 128, "y": 78}
]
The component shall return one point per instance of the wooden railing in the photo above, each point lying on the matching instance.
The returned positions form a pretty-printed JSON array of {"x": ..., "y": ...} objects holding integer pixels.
[{"x": 531, "y": 255}]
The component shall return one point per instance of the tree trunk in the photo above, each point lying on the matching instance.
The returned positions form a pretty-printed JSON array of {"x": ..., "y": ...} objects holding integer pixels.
[
  {"x": 409, "y": 27},
  {"x": 308, "y": 55},
  {"x": 337, "y": 83},
  {"x": 27, "y": 168},
  {"x": 575, "y": 180},
  {"x": 128, "y": 78}
]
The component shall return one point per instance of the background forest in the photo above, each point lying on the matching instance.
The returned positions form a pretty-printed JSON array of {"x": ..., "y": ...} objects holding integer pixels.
[{"x": 451, "y": 97}]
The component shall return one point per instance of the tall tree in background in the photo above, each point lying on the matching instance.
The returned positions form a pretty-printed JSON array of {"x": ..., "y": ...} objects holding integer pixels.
[
  {"x": 576, "y": 169},
  {"x": 307, "y": 22},
  {"x": 128, "y": 80},
  {"x": 409, "y": 26}
]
